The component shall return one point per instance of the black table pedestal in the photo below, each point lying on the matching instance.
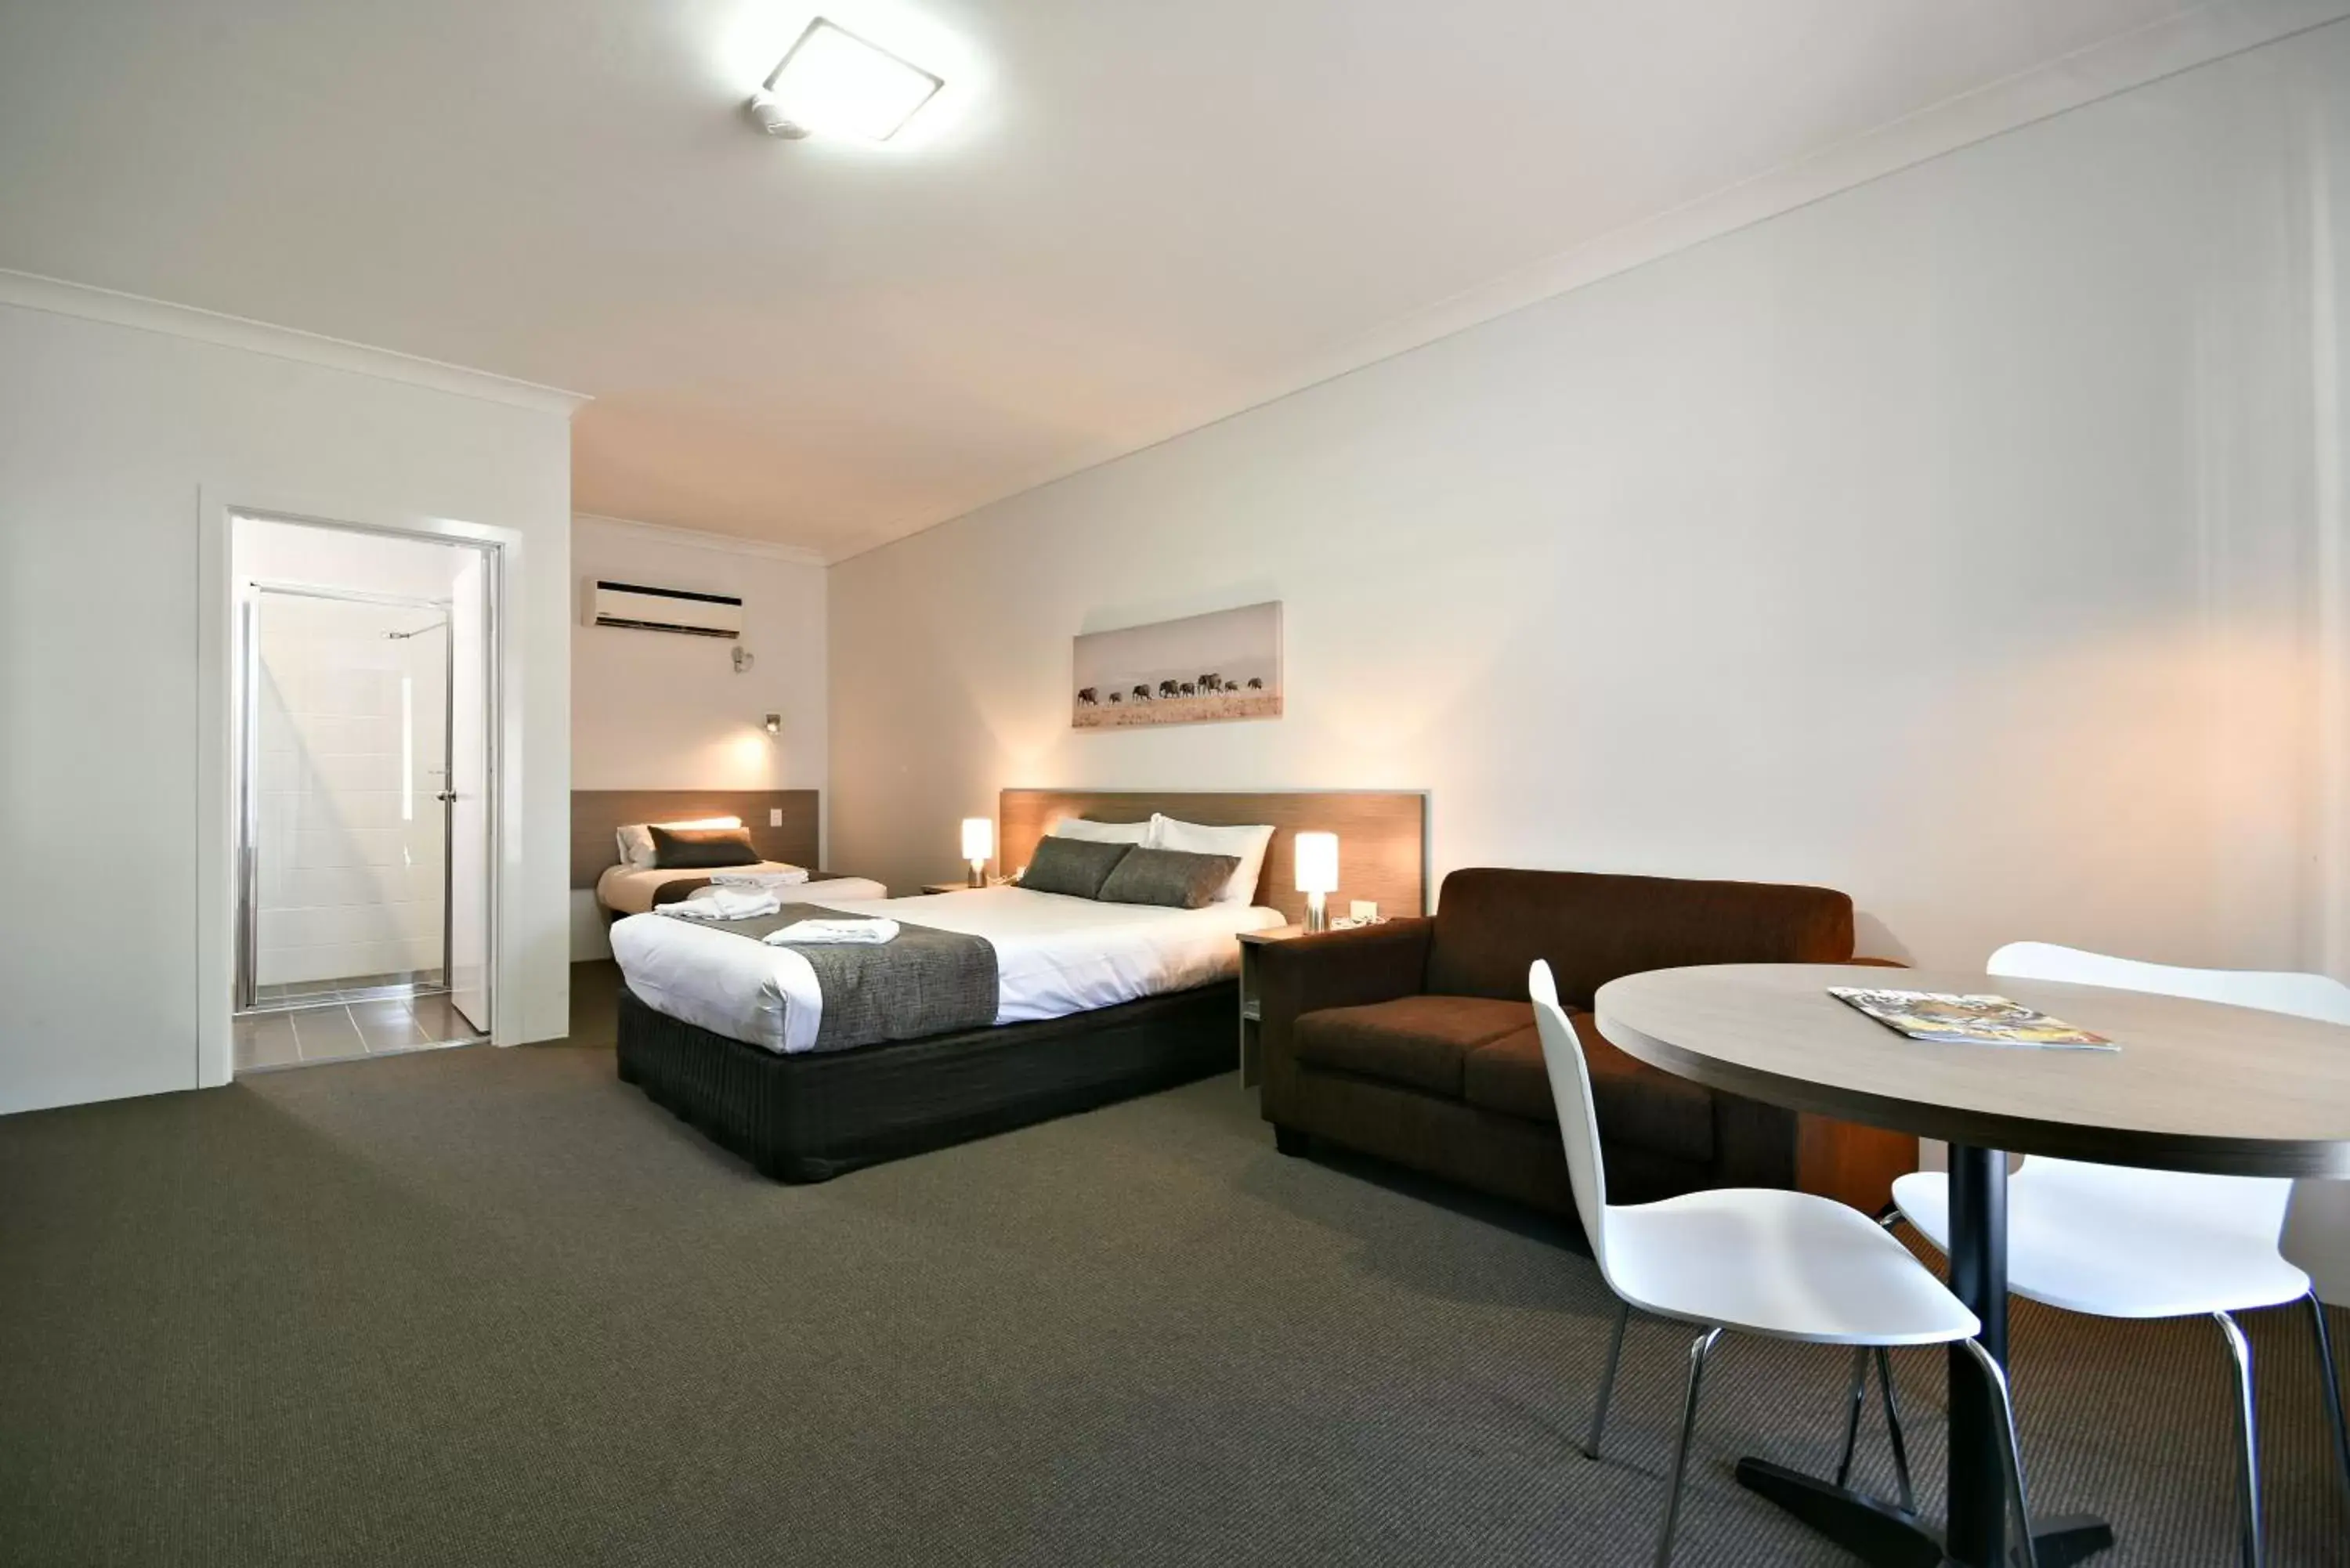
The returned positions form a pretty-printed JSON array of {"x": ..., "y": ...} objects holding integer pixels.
[
  {"x": 1883, "y": 1536},
  {"x": 1977, "y": 1536},
  {"x": 1876, "y": 1533}
]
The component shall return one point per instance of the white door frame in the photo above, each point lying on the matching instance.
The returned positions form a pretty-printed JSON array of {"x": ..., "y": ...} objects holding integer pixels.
[{"x": 216, "y": 795}]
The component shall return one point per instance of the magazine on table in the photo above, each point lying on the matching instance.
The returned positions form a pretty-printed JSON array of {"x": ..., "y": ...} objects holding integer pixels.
[{"x": 1952, "y": 1018}]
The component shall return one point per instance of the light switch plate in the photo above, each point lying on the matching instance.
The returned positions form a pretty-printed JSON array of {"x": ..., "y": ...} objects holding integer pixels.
[{"x": 775, "y": 817}]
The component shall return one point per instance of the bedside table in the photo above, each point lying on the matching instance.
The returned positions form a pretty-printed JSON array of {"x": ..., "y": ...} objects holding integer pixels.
[
  {"x": 946, "y": 888},
  {"x": 1252, "y": 1013}
]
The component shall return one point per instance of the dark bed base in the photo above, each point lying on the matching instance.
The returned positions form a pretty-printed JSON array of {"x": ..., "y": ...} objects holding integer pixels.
[{"x": 810, "y": 1117}]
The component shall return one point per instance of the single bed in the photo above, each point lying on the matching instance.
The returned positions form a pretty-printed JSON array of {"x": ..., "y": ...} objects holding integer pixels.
[
  {"x": 781, "y": 824},
  {"x": 635, "y": 889},
  {"x": 1093, "y": 1001}
]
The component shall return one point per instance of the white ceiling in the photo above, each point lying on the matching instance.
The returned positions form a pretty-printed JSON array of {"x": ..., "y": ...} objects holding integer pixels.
[{"x": 1123, "y": 219}]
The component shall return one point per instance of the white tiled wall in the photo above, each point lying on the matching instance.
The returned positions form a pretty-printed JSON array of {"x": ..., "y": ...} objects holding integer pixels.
[{"x": 351, "y": 866}]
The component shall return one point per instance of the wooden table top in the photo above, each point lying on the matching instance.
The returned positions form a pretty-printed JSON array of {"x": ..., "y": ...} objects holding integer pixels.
[{"x": 2195, "y": 1086}]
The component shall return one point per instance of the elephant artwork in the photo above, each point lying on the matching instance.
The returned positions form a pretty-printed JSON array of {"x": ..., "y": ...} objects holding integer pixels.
[{"x": 1222, "y": 666}]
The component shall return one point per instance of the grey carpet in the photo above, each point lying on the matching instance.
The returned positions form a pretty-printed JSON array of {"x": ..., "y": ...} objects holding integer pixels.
[{"x": 491, "y": 1306}]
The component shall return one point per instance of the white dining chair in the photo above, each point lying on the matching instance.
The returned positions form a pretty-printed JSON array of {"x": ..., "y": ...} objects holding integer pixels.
[
  {"x": 1786, "y": 1265},
  {"x": 2121, "y": 1242}
]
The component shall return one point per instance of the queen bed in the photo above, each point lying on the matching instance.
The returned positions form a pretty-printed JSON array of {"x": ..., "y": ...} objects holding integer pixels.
[
  {"x": 993, "y": 1007},
  {"x": 1055, "y": 955}
]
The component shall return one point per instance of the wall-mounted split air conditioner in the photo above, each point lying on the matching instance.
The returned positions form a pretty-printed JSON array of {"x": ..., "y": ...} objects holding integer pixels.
[{"x": 642, "y": 608}]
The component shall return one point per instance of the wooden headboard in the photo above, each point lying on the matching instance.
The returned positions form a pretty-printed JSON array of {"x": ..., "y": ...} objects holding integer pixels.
[
  {"x": 595, "y": 813},
  {"x": 1382, "y": 835}
]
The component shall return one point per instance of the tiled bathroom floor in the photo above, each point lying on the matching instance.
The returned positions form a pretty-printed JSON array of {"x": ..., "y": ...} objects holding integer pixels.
[
  {"x": 338, "y": 1031},
  {"x": 351, "y": 988}
]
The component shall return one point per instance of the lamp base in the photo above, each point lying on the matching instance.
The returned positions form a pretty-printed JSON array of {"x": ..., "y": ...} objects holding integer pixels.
[
  {"x": 979, "y": 873},
  {"x": 1317, "y": 912}
]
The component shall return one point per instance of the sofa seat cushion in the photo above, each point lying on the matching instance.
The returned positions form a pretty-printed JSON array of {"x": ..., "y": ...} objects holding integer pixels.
[
  {"x": 1421, "y": 1042},
  {"x": 1638, "y": 1106}
]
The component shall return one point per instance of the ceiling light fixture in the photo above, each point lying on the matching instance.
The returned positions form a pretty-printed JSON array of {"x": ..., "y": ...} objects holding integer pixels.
[{"x": 836, "y": 84}]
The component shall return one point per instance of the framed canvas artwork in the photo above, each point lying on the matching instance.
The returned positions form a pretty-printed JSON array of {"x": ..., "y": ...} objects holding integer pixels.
[{"x": 1199, "y": 670}]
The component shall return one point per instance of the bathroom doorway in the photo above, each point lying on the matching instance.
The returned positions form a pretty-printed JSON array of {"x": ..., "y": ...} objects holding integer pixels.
[{"x": 363, "y": 745}]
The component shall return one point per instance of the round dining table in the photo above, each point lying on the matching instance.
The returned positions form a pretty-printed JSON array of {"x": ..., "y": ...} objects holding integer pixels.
[{"x": 2194, "y": 1085}]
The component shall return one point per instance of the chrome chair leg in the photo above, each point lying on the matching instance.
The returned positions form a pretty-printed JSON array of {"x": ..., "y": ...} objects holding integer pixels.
[
  {"x": 1857, "y": 1399},
  {"x": 1854, "y": 1401},
  {"x": 1893, "y": 1434},
  {"x": 2247, "y": 1479},
  {"x": 1608, "y": 1380},
  {"x": 2330, "y": 1379},
  {"x": 2010, "y": 1451},
  {"x": 1699, "y": 1349}
]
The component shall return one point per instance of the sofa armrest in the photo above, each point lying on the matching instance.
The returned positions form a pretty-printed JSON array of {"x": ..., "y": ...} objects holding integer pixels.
[
  {"x": 1349, "y": 967},
  {"x": 1345, "y": 968}
]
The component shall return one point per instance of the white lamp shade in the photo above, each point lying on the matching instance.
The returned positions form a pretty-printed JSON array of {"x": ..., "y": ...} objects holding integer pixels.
[
  {"x": 978, "y": 837},
  {"x": 1318, "y": 862}
]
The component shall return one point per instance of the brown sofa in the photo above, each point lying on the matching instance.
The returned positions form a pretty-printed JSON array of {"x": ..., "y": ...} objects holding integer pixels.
[{"x": 1414, "y": 1040}]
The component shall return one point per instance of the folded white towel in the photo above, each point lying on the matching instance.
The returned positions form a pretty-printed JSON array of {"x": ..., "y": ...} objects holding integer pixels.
[
  {"x": 715, "y": 903},
  {"x": 775, "y": 876},
  {"x": 857, "y": 930}
]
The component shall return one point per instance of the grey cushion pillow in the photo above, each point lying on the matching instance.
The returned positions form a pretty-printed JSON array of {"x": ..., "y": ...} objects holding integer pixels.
[
  {"x": 1175, "y": 877},
  {"x": 701, "y": 849},
  {"x": 1077, "y": 867}
]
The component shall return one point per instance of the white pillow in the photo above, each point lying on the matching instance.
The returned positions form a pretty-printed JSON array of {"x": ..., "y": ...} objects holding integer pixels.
[
  {"x": 1194, "y": 839},
  {"x": 1102, "y": 831},
  {"x": 636, "y": 839}
]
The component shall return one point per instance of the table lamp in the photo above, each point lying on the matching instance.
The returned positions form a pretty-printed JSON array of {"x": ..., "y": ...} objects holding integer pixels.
[
  {"x": 1317, "y": 876},
  {"x": 978, "y": 844}
]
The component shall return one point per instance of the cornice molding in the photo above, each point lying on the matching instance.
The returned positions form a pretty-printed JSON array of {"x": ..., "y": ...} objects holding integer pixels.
[{"x": 59, "y": 297}]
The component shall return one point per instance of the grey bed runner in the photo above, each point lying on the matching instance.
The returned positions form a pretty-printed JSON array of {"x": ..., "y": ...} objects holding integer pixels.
[{"x": 927, "y": 981}]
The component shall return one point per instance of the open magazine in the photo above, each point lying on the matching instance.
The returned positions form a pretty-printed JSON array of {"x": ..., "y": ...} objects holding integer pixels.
[{"x": 1949, "y": 1018}]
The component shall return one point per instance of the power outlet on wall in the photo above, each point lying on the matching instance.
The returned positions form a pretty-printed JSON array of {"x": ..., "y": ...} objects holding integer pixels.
[{"x": 775, "y": 817}]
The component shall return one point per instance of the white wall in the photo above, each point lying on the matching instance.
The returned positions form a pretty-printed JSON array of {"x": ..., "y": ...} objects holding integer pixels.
[
  {"x": 114, "y": 442},
  {"x": 658, "y": 710},
  {"x": 1971, "y": 540}
]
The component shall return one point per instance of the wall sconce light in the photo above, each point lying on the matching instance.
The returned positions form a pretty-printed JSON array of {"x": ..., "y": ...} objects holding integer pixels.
[
  {"x": 978, "y": 844},
  {"x": 774, "y": 723},
  {"x": 1317, "y": 876}
]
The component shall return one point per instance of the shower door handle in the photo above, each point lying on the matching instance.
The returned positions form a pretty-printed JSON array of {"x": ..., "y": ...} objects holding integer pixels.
[{"x": 445, "y": 796}]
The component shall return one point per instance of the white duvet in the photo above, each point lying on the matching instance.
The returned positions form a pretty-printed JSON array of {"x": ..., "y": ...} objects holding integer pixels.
[{"x": 1055, "y": 956}]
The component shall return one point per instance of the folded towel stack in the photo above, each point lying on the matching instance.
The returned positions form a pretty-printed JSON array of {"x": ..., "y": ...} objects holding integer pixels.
[
  {"x": 716, "y": 903},
  {"x": 776, "y": 875},
  {"x": 860, "y": 930}
]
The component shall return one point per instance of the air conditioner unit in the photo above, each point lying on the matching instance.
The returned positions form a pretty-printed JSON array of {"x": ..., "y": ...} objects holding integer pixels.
[{"x": 665, "y": 609}]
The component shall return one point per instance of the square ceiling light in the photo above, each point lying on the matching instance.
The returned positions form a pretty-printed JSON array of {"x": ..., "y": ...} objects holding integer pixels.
[{"x": 834, "y": 83}]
